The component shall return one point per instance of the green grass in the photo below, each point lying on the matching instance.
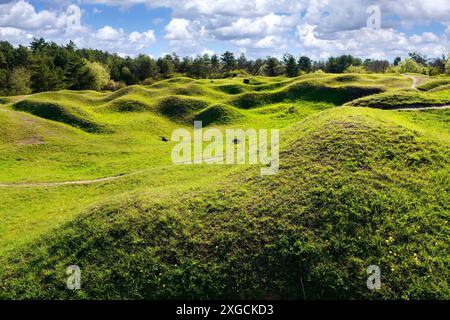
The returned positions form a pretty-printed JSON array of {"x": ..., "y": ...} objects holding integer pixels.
[
  {"x": 357, "y": 186},
  {"x": 403, "y": 99},
  {"x": 431, "y": 85}
]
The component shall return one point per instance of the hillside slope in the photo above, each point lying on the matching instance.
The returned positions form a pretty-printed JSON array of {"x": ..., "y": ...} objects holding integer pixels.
[{"x": 356, "y": 187}]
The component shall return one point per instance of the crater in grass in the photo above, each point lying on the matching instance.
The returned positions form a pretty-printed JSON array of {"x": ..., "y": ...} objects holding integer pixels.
[{"x": 72, "y": 116}]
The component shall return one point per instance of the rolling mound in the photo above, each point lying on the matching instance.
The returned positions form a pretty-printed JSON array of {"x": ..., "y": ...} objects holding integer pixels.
[
  {"x": 72, "y": 116},
  {"x": 190, "y": 90},
  {"x": 231, "y": 88},
  {"x": 172, "y": 81},
  {"x": 180, "y": 108},
  {"x": 124, "y": 105},
  {"x": 304, "y": 91},
  {"x": 430, "y": 85},
  {"x": 441, "y": 88},
  {"x": 356, "y": 187},
  {"x": 403, "y": 99},
  {"x": 352, "y": 191},
  {"x": 218, "y": 114}
]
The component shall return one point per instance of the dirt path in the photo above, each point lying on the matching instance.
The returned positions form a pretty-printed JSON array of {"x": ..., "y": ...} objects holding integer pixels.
[
  {"x": 63, "y": 183},
  {"x": 87, "y": 182},
  {"x": 414, "y": 79},
  {"x": 421, "y": 108}
]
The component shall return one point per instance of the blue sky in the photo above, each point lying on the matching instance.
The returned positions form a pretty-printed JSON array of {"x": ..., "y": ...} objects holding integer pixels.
[{"x": 318, "y": 28}]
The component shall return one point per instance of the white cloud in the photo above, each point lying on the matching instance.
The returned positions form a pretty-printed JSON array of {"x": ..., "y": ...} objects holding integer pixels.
[
  {"x": 20, "y": 22},
  {"x": 14, "y": 35},
  {"x": 268, "y": 26},
  {"x": 177, "y": 29},
  {"x": 208, "y": 52},
  {"x": 366, "y": 42},
  {"x": 185, "y": 36},
  {"x": 260, "y": 27},
  {"x": 117, "y": 40},
  {"x": 108, "y": 33},
  {"x": 183, "y": 29}
]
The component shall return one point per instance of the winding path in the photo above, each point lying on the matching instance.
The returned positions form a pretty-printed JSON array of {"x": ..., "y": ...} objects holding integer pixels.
[
  {"x": 63, "y": 183},
  {"x": 414, "y": 79},
  {"x": 418, "y": 108},
  {"x": 92, "y": 181}
]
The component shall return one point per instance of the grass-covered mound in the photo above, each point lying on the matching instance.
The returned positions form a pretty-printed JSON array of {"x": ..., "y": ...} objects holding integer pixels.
[
  {"x": 403, "y": 99},
  {"x": 356, "y": 187},
  {"x": 441, "y": 88},
  {"x": 433, "y": 84},
  {"x": 352, "y": 191},
  {"x": 180, "y": 108},
  {"x": 125, "y": 105},
  {"x": 218, "y": 114},
  {"x": 308, "y": 91},
  {"x": 72, "y": 116},
  {"x": 231, "y": 88}
]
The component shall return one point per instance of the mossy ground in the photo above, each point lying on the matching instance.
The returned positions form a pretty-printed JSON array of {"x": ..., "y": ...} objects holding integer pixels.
[{"x": 357, "y": 186}]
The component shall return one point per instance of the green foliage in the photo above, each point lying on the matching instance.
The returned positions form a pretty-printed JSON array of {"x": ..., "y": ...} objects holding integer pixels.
[
  {"x": 273, "y": 67},
  {"x": 290, "y": 66},
  {"x": 46, "y": 76},
  {"x": 409, "y": 66},
  {"x": 114, "y": 85},
  {"x": 55, "y": 67},
  {"x": 166, "y": 66},
  {"x": 305, "y": 64},
  {"x": 20, "y": 81},
  {"x": 341, "y": 63},
  {"x": 97, "y": 75},
  {"x": 228, "y": 60},
  {"x": 419, "y": 58},
  {"x": 200, "y": 67},
  {"x": 145, "y": 68},
  {"x": 376, "y": 66},
  {"x": 447, "y": 66},
  {"x": 356, "y": 69}
]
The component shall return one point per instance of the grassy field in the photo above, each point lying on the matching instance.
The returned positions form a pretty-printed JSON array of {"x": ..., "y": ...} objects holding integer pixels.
[{"x": 358, "y": 185}]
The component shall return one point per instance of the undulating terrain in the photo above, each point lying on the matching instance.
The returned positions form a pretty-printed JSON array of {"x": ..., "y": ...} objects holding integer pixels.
[{"x": 86, "y": 179}]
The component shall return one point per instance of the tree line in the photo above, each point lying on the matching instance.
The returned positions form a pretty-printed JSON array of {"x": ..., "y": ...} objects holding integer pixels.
[{"x": 46, "y": 66}]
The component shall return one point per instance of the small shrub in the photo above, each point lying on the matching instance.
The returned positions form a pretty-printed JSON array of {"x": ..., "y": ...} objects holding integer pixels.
[
  {"x": 148, "y": 81},
  {"x": 114, "y": 85}
]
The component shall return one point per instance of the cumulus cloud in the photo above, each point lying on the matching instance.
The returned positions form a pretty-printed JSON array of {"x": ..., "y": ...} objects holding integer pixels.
[
  {"x": 14, "y": 35},
  {"x": 319, "y": 27},
  {"x": 22, "y": 15},
  {"x": 117, "y": 40},
  {"x": 183, "y": 29},
  {"x": 260, "y": 27},
  {"x": 366, "y": 42},
  {"x": 185, "y": 36},
  {"x": 20, "y": 22},
  {"x": 109, "y": 34}
]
